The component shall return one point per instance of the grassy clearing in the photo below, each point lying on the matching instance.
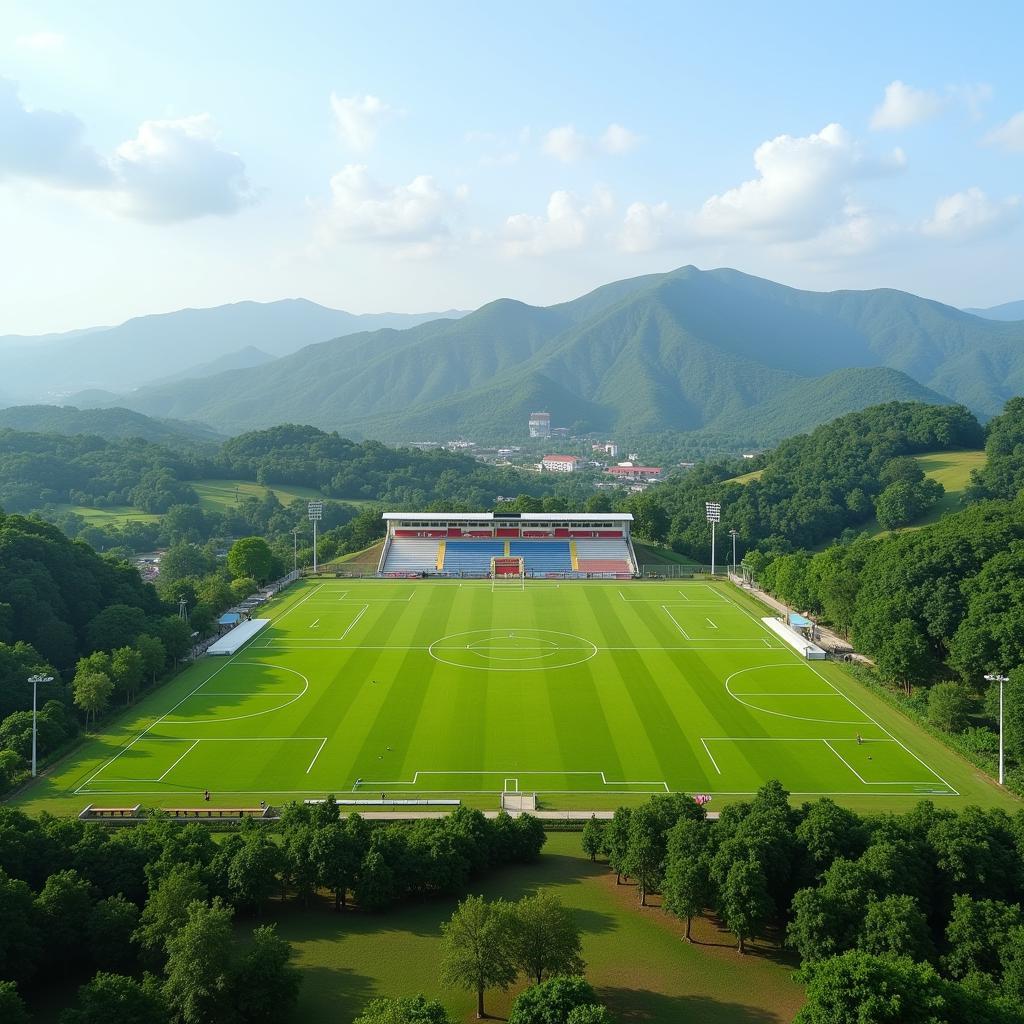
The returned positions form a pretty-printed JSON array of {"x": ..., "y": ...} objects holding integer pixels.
[
  {"x": 216, "y": 495},
  {"x": 366, "y": 560},
  {"x": 589, "y": 694},
  {"x": 654, "y": 554},
  {"x": 745, "y": 478},
  {"x": 116, "y": 515},
  {"x": 635, "y": 958}
]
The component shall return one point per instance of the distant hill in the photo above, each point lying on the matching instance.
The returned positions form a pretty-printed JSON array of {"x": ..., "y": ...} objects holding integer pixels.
[
  {"x": 150, "y": 348},
  {"x": 685, "y": 351},
  {"x": 110, "y": 424},
  {"x": 1005, "y": 311},
  {"x": 240, "y": 360}
]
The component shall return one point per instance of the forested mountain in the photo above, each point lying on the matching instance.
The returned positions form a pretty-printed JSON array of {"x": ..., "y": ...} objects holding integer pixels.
[
  {"x": 149, "y": 348},
  {"x": 110, "y": 424},
  {"x": 1005, "y": 311},
  {"x": 715, "y": 351}
]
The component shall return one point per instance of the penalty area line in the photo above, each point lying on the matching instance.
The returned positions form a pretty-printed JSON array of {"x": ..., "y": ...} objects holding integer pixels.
[{"x": 316, "y": 755}]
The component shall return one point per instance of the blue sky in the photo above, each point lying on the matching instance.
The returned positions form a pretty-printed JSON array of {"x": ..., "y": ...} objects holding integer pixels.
[{"x": 413, "y": 156}]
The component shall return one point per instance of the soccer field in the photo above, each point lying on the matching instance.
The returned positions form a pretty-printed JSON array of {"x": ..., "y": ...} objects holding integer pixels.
[{"x": 584, "y": 693}]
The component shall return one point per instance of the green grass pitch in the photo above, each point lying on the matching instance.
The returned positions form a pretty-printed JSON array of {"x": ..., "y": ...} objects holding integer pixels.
[{"x": 586, "y": 693}]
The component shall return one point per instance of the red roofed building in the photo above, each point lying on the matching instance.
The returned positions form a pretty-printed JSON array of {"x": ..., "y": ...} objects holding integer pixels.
[
  {"x": 560, "y": 463},
  {"x": 628, "y": 471}
]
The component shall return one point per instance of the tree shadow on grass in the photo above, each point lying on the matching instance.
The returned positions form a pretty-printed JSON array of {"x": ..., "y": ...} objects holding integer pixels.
[
  {"x": 334, "y": 993},
  {"x": 633, "y": 1006}
]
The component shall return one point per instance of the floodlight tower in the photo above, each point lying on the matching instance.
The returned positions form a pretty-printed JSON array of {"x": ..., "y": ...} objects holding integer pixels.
[
  {"x": 295, "y": 549},
  {"x": 714, "y": 509},
  {"x": 734, "y": 534},
  {"x": 998, "y": 677},
  {"x": 316, "y": 513},
  {"x": 35, "y": 681}
]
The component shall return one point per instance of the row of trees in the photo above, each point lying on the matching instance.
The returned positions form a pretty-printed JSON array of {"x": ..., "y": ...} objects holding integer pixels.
[
  {"x": 147, "y": 910},
  {"x": 925, "y": 906}
]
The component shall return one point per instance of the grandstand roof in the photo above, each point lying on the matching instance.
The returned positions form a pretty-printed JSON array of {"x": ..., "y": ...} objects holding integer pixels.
[{"x": 546, "y": 517}]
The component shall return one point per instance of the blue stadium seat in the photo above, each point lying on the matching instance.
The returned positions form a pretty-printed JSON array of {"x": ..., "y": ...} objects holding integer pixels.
[
  {"x": 471, "y": 556},
  {"x": 542, "y": 556}
]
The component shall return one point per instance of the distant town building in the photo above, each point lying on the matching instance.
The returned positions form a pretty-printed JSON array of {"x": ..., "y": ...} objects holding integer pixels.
[
  {"x": 559, "y": 431},
  {"x": 560, "y": 463},
  {"x": 635, "y": 474},
  {"x": 540, "y": 424}
]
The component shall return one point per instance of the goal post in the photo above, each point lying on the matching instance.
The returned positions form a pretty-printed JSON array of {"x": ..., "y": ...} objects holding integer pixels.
[
  {"x": 512, "y": 800},
  {"x": 508, "y": 570}
]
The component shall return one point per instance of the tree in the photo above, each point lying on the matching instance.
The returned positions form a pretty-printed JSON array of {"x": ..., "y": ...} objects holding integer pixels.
[
  {"x": 266, "y": 985},
  {"x": 166, "y": 909},
  {"x": 686, "y": 889},
  {"x": 115, "y": 626},
  {"x": 828, "y": 831},
  {"x": 551, "y": 1001},
  {"x": 896, "y": 925},
  {"x": 12, "y": 1006},
  {"x": 976, "y": 933},
  {"x": 112, "y": 923},
  {"x": 126, "y": 672},
  {"x": 252, "y": 873},
  {"x": 20, "y": 938},
  {"x": 184, "y": 560},
  {"x": 949, "y": 704},
  {"x": 110, "y": 998},
  {"x": 251, "y": 556},
  {"x": 593, "y": 837},
  {"x": 545, "y": 938},
  {"x": 745, "y": 903},
  {"x": 65, "y": 906},
  {"x": 867, "y": 989},
  {"x": 904, "y": 656},
  {"x": 92, "y": 692},
  {"x": 475, "y": 952},
  {"x": 337, "y": 851},
  {"x": 198, "y": 986},
  {"x": 153, "y": 655},
  {"x": 404, "y": 1010},
  {"x": 827, "y": 919},
  {"x": 589, "y": 1013}
]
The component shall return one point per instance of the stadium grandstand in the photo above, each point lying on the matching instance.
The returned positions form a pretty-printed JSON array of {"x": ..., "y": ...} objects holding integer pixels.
[{"x": 481, "y": 544}]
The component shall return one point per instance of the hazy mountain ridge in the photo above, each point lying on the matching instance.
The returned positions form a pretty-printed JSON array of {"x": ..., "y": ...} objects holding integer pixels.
[
  {"x": 1004, "y": 311},
  {"x": 112, "y": 424},
  {"x": 149, "y": 348}
]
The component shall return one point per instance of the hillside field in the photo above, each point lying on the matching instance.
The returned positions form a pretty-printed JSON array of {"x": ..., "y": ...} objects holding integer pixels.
[
  {"x": 115, "y": 515},
  {"x": 216, "y": 495},
  {"x": 589, "y": 694}
]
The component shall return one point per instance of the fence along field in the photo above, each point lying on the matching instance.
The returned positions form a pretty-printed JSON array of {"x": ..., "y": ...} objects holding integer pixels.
[{"x": 585, "y": 693}]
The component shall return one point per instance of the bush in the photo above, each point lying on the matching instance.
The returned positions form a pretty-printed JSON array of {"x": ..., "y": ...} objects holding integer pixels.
[
  {"x": 949, "y": 704},
  {"x": 551, "y": 1001}
]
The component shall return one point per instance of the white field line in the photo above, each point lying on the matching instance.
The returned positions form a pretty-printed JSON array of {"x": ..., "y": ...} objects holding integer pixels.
[
  {"x": 713, "y": 625},
  {"x": 863, "y": 781},
  {"x": 664, "y": 608},
  {"x": 316, "y": 755},
  {"x": 298, "y": 604},
  {"x": 808, "y": 665},
  {"x": 351, "y": 625},
  {"x": 683, "y": 596},
  {"x": 239, "y": 693},
  {"x": 195, "y": 743},
  {"x": 710, "y": 755}
]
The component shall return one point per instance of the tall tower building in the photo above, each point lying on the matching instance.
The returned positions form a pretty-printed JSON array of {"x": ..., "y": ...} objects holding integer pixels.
[{"x": 540, "y": 424}]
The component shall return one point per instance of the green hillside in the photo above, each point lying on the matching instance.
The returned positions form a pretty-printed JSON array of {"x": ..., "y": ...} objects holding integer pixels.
[
  {"x": 216, "y": 495},
  {"x": 112, "y": 424},
  {"x": 716, "y": 352}
]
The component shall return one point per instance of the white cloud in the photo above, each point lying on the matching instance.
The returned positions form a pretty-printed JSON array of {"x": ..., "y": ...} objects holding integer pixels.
[
  {"x": 971, "y": 214},
  {"x": 358, "y": 119},
  {"x": 802, "y": 187},
  {"x": 46, "y": 146},
  {"x": 569, "y": 222},
  {"x": 569, "y": 145},
  {"x": 904, "y": 106},
  {"x": 41, "y": 42},
  {"x": 565, "y": 144},
  {"x": 362, "y": 209},
  {"x": 972, "y": 96},
  {"x": 1009, "y": 135},
  {"x": 175, "y": 170}
]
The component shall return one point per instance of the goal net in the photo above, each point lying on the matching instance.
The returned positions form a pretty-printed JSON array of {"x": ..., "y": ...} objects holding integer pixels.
[
  {"x": 508, "y": 570},
  {"x": 513, "y": 800}
]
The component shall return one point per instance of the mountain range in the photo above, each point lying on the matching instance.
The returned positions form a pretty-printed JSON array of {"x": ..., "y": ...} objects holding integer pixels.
[
  {"x": 185, "y": 343},
  {"x": 1005, "y": 311},
  {"x": 717, "y": 352}
]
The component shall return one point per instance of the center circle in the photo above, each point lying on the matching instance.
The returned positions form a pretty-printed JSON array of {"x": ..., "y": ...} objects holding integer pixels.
[{"x": 512, "y": 649}]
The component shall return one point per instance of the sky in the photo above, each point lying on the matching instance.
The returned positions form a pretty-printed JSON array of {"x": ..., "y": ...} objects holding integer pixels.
[{"x": 423, "y": 156}]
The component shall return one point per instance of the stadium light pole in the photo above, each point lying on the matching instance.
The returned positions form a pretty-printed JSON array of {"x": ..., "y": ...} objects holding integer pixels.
[
  {"x": 35, "y": 681},
  {"x": 316, "y": 513},
  {"x": 714, "y": 510},
  {"x": 734, "y": 534},
  {"x": 295, "y": 549},
  {"x": 998, "y": 677}
]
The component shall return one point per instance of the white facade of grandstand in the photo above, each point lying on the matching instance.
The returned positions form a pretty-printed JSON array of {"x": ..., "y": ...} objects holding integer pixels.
[{"x": 551, "y": 545}]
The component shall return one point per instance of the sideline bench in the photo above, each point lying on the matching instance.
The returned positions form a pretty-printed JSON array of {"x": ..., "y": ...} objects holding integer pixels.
[
  {"x": 91, "y": 811},
  {"x": 218, "y": 812},
  {"x": 391, "y": 803}
]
